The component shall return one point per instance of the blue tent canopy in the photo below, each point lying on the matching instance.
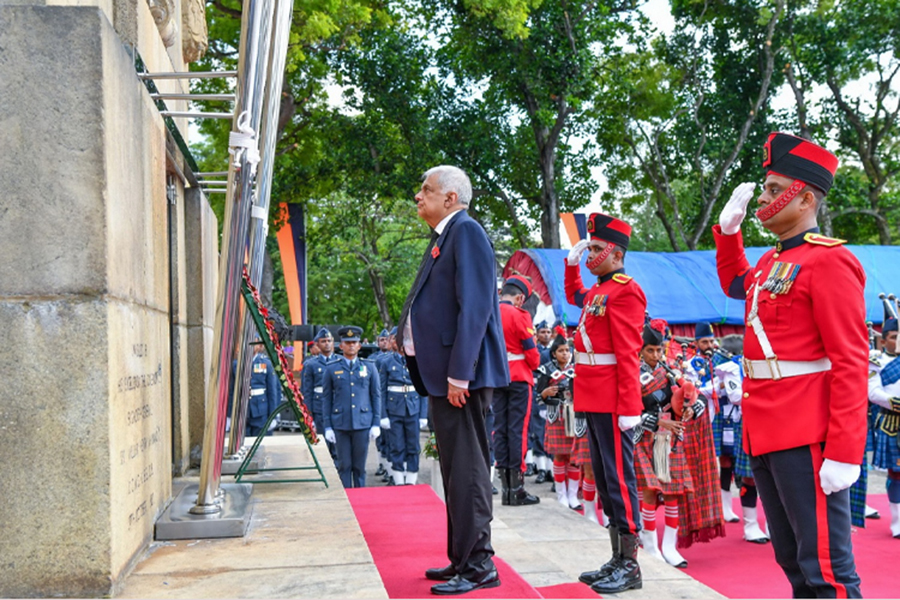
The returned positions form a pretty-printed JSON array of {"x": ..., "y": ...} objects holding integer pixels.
[{"x": 683, "y": 287}]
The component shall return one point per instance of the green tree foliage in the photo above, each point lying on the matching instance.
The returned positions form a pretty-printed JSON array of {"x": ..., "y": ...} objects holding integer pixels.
[
  {"x": 843, "y": 68},
  {"x": 525, "y": 98},
  {"x": 684, "y": 115}
]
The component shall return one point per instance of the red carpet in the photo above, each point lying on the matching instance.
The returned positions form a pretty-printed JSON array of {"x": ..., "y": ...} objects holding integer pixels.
[
  {"x": 406, "y": 530},
  {"x": 739, "y": 569}
]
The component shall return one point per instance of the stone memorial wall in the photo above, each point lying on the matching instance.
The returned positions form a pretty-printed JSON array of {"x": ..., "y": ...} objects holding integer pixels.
[{"x": 95, "y": 357}]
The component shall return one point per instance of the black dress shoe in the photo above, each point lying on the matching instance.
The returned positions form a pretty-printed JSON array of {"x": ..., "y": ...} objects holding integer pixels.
[
  {"x": 380, "y": 471},
  {"x": 530, "y": 471},
  {"x": 445, "y": 574},
  {"x": 542, "y": 477},
  {"x": 461, "y": 585}
]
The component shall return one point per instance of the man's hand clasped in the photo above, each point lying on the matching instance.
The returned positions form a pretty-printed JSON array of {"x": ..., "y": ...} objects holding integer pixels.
[
  {"x": 735, "y": 210},
  {"x": 457, "y": 395}
]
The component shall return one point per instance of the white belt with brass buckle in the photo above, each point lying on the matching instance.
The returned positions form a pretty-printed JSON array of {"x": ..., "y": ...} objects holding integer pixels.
[
  {"x": 774, "y": 369},
  {"x": 258, "y": 392},
  {"x": 511, "y": 357},
  {"x": 318, "y": 389},
  {"x": 590, "y": 359},
  {"x": 401, "y": 389}
]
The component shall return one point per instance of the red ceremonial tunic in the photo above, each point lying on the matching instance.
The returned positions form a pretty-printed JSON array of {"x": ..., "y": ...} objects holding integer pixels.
[
  {"x": 615, "y": 329},
  {"x": 822, "y": 314},
  {"x": 521, "y": 349}
]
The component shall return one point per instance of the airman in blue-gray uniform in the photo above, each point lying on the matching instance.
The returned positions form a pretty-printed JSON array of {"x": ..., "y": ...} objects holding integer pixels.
[
  {"x": 351, "y": 407},
  {"x": 405, "y": 413},
  {"x": 313, "y": 379},
  {"x": 382, "y": 444},
  {"x": 265, "y": 392}
]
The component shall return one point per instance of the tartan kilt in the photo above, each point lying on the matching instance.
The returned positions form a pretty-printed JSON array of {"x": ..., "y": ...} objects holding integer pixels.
[
  {"x": 680, "y": 481},
  {"x": 887, "y": 450},
  {"x": 581, "y": 451},
  {"x": 741, "y": 458},
  {"x": 556, "y": 441},
  {"x": 700, "y": 516},
  {"x": 717, "y": 433},
  {"x": 858, "y": 498},
  {"x": 718, "y": 425}
]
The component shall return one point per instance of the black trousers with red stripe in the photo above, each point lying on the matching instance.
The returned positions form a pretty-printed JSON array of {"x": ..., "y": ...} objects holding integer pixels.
[
  {"x": 612, "y": 456},
  {"x": 810, "y": 531},
  {"x": 512, "y": 411}
]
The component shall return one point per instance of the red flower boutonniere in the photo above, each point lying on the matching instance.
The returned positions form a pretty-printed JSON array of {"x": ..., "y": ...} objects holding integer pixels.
[{"x": 435, "y": 252}]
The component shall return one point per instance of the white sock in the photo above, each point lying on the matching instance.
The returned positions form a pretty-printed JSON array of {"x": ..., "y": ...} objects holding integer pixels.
[
  {"x": 411, "y": 478},
  {"x": 650, "y": 542},
  {"x": 895, "y": 519},
  {"x": 397, "y": 476},
  {"x": 590, "y": 511},
  {"x": 573, "y": 493},
  {"x": 561, "y": 495},
  {"x": 727, "y": 512},
  {"x": 752, "y": 531},
  {"x": 672, "y": 556}
]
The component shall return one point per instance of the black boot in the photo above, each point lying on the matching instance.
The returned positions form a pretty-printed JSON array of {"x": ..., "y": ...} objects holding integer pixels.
[
  {"x": 504, "y": 486},
  {"x": 592, "y": 577},
  {"x": 627, "y": 574},
  {"x": 517, "y": 494}
]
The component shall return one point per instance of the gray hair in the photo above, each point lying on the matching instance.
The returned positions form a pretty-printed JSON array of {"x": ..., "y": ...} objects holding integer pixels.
[{"x": 452, "y": 179}]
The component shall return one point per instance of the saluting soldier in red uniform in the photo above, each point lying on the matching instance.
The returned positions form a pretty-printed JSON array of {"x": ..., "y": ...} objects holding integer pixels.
[
  {"x": 512, "y": 404},
  {"x": 805, "y": 354},
  {"x": 607, "y": 388}
]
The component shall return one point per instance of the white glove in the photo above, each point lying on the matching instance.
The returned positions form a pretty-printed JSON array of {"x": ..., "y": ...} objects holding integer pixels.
[
  {"x": 576, "y": 253},
  {"x": 272, "y": 425},
  {"x": 329, "y": 435},
  {"x": 385, "y": 423},
  {"x": 837, "y": 476},
  {"x": 735, "y": 210},
  {"x": 543, "y": 413},
  {"x": 626, "y": 423},
  {"x": 375, "y": 432},
  {"x": 423, "y": 423}
]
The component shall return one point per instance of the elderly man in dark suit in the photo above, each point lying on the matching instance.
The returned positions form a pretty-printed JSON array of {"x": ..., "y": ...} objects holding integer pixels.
[{"x": 452, "y": 335}]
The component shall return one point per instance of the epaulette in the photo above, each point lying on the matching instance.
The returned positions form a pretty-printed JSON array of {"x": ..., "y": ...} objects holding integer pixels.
[
  {"x": 875, "y": 358},
  {"x": 622, "y": 278},
  {"x": 821, "y": 240}
]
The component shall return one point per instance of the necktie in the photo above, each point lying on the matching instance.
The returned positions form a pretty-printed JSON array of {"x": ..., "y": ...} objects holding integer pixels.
[{"x": 404, "y": 314}]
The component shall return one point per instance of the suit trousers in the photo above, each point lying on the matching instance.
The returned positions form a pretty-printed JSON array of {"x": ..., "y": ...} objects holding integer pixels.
[
  {"x": 810, "y": 531},
  {"x": 404, "y": 443},
  {"x": 512, "y": 412},
  {"x": 462, "y": 443},
  {"x": 352, "y": 450},
  {"x": 612, "y": 456}
]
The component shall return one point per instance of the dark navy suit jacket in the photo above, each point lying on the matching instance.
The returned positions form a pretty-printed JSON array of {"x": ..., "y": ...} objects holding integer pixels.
[{"x": 455, "y": 313}]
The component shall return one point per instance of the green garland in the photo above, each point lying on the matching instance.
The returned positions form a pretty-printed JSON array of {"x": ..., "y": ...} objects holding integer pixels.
[{"x": 266, "y": 328}]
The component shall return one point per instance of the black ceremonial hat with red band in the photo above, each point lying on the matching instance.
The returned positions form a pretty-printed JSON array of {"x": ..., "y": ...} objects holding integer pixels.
[
  {"x": 798, "y": 159},
  {"x": 609, "y": 229},
  {"x": 521, "y": 283}
]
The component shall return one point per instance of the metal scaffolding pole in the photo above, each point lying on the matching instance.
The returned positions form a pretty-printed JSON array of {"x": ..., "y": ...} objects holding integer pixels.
[
  {"x": 254, "y": 49},
  {"x": 259, "y": 225}
]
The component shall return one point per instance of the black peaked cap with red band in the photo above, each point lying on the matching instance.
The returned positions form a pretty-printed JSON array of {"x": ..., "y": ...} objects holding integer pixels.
[
  {"x": 609, "y": 229},
  {"x": 521, "y": 283},
  {"x": 790, "y": 156}
]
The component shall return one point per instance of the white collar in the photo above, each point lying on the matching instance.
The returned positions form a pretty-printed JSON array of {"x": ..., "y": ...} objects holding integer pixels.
[{"x": 443, "y": 224}]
